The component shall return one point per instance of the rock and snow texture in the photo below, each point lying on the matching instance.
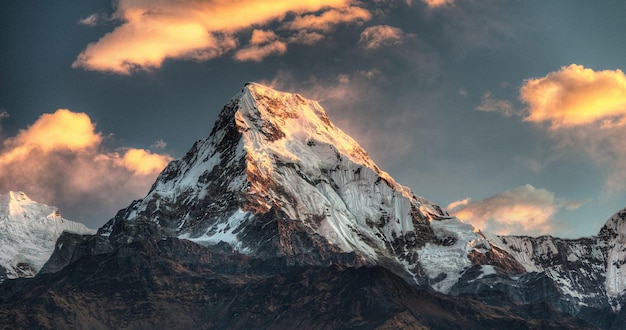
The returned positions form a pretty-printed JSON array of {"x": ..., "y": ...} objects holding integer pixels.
[
  {"x": 276, "y": 177},
  {"x": 28, "y": 233},
  {"x": 588, "y": 271},
  {"x": 613, "y": 235}
]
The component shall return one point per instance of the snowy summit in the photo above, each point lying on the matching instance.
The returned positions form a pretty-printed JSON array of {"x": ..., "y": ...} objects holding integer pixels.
[
  {"x": 28, "y": 233},
  {"x": 276, "y": 177}
]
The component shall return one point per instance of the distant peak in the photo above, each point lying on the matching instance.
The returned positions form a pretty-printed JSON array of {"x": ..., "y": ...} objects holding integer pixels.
[{"x": 615, "y": 226}]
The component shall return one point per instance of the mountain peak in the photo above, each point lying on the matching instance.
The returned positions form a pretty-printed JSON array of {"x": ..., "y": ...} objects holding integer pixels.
[
  {"x": 275, "y": 177},
  {"x": 615, "y": 227},
  {"x": 29, "y": 231},
  {"x": 289, "y": 125}
]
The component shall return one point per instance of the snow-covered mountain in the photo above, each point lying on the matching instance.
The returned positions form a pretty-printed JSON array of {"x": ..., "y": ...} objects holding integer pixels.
[
  {"x": 584, "y": 277},
  {"x": 275, "y": 177},
  {"x": 28, "y": 233},
  {"x": 277, "y": 181}
]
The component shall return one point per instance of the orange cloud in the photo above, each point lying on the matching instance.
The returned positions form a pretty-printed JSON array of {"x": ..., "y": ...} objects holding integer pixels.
[
  {"x": 257, "y": 53},
  {"x": 62, "y": 129},
  {"x": 153, "y": 31},
  {"x": 60, "y": 160},
  {"x": 381, "y": 35},
  {"x": 261, "y": 37},
  {"x": 586, "y": 111},
  {"x": 438, "y": 3},
  {"x": 575, "y": 96},
  {"x": 522, "y": 210},
  {"x": 144, "y": 162},
  {"x": 262, "y": 45},
  {"x": 329, "y": 19}
]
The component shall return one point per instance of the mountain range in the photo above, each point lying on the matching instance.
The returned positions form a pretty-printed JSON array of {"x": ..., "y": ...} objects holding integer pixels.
[{"x": 280, "y": 219}]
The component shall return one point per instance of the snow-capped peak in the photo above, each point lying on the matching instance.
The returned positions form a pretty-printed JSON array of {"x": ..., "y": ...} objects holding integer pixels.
[
  {"x": 287, "y": 124},
  {"x": 18, "y": 205},
  {"x": 28, "y": 232},
  {"x": 276, "y": 177}
]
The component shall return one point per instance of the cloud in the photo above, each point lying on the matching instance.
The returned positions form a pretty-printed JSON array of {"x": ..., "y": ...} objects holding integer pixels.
[
  {"x": 522, "y": 210},
  {"x": 260, "y": 37},
  {"x": 575, "y": 96},
  {"x": 306, "y": 38},
  {"x": 378, "y": 36},
  {"x": 159, "y": 144},
  {"x": 60, "y": 160},
  {"x": 94, "y": 19},
  {"x": 143, "y": 162},
  {"x": 489, "y": 104},
  {"x": 153, "y": 31},
  {"x": 3, "y": 115},
  {"x": 262, "y": 44},
  {"x": 459, "y": 203},
  {"x": 329, "y": 19},
  {"x": 257, "y": 53},
  {"x": 586, "y": 112},
  {"x": 438, "y": 3}
]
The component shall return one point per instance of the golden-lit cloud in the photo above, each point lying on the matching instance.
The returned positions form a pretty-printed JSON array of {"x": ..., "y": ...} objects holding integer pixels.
[
  {"x": 257, "y": 53},
  {"x": 522, "y": 210},
  {"x": 575, "y": 96},
  {"x": 586, "y": 113},
  {"x": 62, "y": 129},
  {"x": 143, "y": 162},
  {"x": 153, "y": 31},
  {"x": 438, "y": 3},
  {"x": 329, "y": 19},
  {"x": 60, "y": 160},
  {"x": 261, "y": 37},
  {"x": 262, "y": 45},
  {"x": 378, "y": 36}
]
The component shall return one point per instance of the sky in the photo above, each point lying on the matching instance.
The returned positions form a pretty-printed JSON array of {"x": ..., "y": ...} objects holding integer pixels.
[{"x": 509, "y": 114}]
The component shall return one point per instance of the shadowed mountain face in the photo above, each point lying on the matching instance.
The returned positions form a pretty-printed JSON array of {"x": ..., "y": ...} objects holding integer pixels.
[
  {"x": 174, "y": 283},
  {"x": 278, "y": 219}
]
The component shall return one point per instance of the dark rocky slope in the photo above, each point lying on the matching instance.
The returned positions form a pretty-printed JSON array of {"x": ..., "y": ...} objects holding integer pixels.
[{"x": 172, "y": 283}]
